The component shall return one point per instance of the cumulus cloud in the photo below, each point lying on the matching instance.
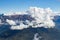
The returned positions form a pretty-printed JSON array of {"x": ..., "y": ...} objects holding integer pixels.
[
  {"x": 42, "y": 15},
  {"x": 11, "y": 22},
  {"x": 19, "y": 27},
  {"x": 43, "y": 18}
]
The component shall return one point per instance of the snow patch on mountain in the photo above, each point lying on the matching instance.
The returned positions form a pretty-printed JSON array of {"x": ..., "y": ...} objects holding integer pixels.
[
  {"x": 37, "y": 37},
  {"x": 11, "y": 22}
]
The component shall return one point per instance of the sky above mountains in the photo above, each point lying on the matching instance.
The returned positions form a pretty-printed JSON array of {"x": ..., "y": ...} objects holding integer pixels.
[{"x": 21, "y": 5}]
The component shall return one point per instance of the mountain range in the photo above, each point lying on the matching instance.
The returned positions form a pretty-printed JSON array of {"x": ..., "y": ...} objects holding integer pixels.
[
  {"x": 28, "y": 34},
  {"x": 33, "y": 24}
]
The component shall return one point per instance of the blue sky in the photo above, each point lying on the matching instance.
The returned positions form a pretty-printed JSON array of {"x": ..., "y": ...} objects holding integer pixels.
[{"x": 21, "y": 5}]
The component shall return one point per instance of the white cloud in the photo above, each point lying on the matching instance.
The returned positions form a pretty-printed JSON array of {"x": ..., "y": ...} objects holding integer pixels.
[
  {"x": 42, "y": 15},
  {"x": 11, "y": 22},
  {"x": 43, "y": 18},
  {"x": 14, "y": 13},
  {"x": 9, "y": 13},
  {"x": 19, "y": 27}
]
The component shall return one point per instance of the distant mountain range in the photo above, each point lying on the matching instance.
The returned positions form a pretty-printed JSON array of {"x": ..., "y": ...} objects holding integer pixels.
[{"x": 28, "y": 34}]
